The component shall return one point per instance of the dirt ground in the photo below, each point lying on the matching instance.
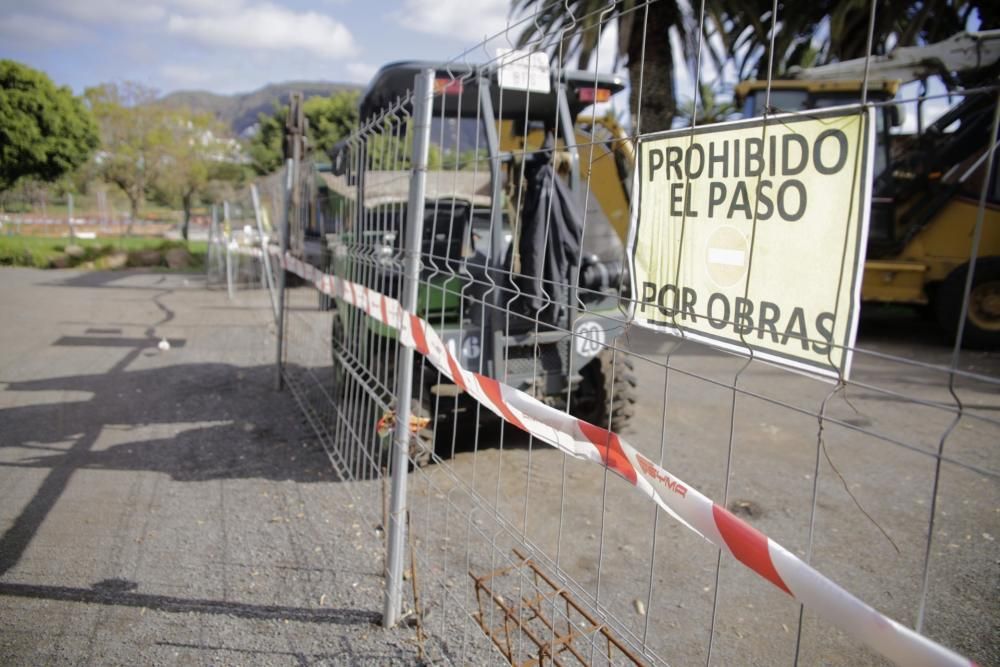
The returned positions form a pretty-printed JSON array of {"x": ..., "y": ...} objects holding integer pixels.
[
  {"x": 655, "y": 581},
  {"x": 879, "y": 441},
  {"x": 167, "y": 506}
]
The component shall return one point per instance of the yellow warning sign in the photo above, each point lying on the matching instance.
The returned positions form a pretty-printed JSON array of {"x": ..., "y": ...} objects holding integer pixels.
[{"x": 751, "y": 235}]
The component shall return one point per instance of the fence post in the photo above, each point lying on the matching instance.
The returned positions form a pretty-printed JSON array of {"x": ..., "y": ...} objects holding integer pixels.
[
  {"x": 423, "y": 101},
  {"x": 294, "y": 137},
  {"x": 231, "y": 260},
  {"x": 265, "y": 255},
  {"x": 213, "y": 251},
  {"x": 280, "y": 319}
]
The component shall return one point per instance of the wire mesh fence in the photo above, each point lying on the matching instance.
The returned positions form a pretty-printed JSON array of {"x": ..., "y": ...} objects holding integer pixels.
[
  {"x": 35, "y": 208},
  {"x": 583, "y": 488}
]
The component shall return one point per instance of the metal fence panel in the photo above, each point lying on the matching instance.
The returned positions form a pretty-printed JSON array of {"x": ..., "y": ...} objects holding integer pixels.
[{"x": 589, "y": 551}]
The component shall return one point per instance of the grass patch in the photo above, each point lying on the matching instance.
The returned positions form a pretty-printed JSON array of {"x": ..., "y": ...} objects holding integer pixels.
[{"x": 42, "y": 252}]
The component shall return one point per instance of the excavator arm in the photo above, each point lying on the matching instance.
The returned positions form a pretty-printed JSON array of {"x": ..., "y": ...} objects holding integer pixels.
[{"x": 963, "y": 52}]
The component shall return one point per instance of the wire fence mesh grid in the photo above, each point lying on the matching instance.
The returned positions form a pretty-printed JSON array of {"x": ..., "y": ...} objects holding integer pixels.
[{"x": 885, "y": 482}]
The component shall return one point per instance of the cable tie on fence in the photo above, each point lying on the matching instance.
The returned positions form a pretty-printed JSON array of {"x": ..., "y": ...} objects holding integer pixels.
[{"x": 387, "y": 423}]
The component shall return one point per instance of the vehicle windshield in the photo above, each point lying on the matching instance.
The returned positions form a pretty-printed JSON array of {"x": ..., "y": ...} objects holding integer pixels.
[
  {"x": 800, "y": 100},
  {"x": 458, "y": 143}
]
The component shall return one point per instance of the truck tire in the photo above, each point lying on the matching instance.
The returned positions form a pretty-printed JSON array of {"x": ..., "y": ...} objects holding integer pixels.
[
  {"x": 982, "y": 323},
  {"x": 605, "y": 398}
]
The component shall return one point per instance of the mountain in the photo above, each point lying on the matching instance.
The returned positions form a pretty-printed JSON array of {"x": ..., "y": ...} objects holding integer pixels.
[{"x": 240, "y": 110}]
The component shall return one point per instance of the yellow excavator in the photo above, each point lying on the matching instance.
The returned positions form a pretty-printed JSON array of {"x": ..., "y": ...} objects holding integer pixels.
[
  {"x": 925, "y": 203},
  {"x": 928, "y": 184}
]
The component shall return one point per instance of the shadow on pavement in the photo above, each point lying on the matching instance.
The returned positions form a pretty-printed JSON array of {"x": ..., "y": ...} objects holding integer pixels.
[
  {"x": 97, "y": 279},
  {"x": 191, "y": 421},
  {"x": 111, "y": 593},
  {"x": 196, "y": 423}
]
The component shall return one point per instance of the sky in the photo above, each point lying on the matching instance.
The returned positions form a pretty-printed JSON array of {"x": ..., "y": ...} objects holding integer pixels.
[{"x": 229, "y": 46}]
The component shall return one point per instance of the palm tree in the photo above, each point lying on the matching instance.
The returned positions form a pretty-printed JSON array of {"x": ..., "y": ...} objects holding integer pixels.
[
  {"x": 710, "y": 107},
  {"x": 643, "y": 41},
  {"x": 815, "y": 32},
  {"x": 809, "y": 32}
]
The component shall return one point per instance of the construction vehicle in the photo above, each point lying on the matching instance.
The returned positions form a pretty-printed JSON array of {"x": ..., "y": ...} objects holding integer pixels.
[
  {"x": 925, "y": 199},
  {"x": 501, "y": 159}
]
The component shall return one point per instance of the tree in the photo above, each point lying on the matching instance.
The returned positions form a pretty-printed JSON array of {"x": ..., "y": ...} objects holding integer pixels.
[
  {"x": 643, "y": 40},
  {"x": 134, "y": 139},
  {"x": 45, "y": 132},
  {"x": 265, "y": 146},
  {"x": 816, "y": 32},
  {"x": 197, "y": 153},
  {"x": 330, "y": 120},
  {"x": 710, "y": 108}
]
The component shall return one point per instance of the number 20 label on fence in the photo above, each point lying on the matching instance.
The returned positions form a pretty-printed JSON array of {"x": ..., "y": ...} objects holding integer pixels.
[{"x": 751, "y": 235}]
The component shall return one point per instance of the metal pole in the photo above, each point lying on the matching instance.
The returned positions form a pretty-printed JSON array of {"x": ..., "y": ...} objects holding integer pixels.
[
  {"x": 266, "y": 256},
  {"x": 423, "y": 102},
  {"x": 230, "y": 259},
  {"x": 213, "y": 251},
  {"x": 290, "y": 173},
  {"x": 491, "y": 348}
]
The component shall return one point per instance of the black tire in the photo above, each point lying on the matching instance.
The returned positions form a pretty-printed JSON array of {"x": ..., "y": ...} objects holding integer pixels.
[
  {"x": 982, "y": 323},
  {"x": 598, "y": 384}
]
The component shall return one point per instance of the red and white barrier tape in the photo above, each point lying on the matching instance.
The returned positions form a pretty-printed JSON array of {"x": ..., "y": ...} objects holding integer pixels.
[{"x": 586, "y": 441}]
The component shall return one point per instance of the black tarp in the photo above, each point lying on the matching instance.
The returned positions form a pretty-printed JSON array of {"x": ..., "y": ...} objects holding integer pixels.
[{"x": 549, "y": 240}]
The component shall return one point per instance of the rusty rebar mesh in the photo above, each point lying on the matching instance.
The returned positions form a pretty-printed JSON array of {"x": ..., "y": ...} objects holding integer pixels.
[{"x": 534, "y": 621}]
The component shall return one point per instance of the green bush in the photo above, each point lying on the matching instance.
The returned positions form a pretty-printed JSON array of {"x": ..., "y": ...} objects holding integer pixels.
[{"x": 38, "y": 252}]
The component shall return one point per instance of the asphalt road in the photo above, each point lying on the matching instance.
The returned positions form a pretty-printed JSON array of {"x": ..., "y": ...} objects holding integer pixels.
[{"x": 167, "y": 506}]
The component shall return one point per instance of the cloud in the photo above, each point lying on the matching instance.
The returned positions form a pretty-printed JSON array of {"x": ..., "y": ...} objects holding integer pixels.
[
  {"x": 360, "y": 72},
  {"x": 185, "y": 76},
  {"x": 267, "y": 27},
  {"x": 466, "y": 21},
  {"x": 100, "y": 12},
  {"x": 603, "y": 59},
  {"x": 103, "y": 11},
  {"x": 203, "y": 7},
  {"x": 30, "y": 30},
  {"x": 233, "y": 71}
]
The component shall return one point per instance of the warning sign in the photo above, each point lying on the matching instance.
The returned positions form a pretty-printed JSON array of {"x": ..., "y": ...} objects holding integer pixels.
[{"x": 751, "y": 235}]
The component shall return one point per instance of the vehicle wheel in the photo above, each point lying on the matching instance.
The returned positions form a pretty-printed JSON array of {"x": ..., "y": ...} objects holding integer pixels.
[
  {"x": 598, "y": 384},
  {"x": 982, "y": 323}
]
